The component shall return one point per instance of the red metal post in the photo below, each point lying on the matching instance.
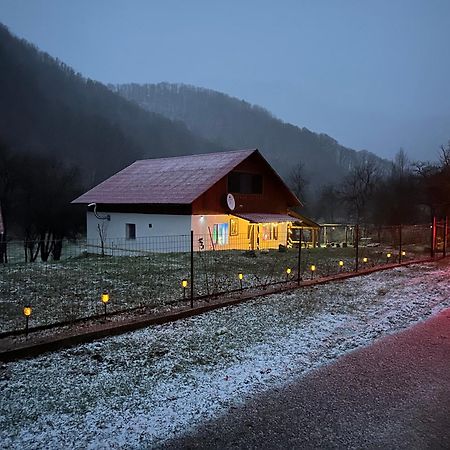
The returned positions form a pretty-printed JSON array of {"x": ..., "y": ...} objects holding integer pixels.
[
  {"x": 192, "y": 268},
  {"x": 433, "y": 236},
  {"x": 444, "y": 252}
]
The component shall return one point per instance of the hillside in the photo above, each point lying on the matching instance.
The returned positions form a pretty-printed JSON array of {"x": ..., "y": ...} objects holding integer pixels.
[
  {"x": 237, "y": 124},
  {"x": 48, "y": 109}
]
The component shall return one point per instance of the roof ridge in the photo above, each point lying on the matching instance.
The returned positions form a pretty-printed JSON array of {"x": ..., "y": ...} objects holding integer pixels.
[
  {"x": 201, "y": 154},
  {"x": 137, "y": 182}
]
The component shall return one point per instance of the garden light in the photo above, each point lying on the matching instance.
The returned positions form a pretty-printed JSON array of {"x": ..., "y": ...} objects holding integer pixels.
[
  {"x": 241, "y": 277},
  {"x": 388, "y": 256},
  {"x": 313, "y": 269},
  {"x": 27, "y": 313},
  {"x": 288, "y": 272},
  {"x": 365, "y": 260},
  {"x": 341, "y": 264},
  {"x": 105, "y": 299},
  {"x": 403, "y": 253},
  {"x": 184, "y": 284}
]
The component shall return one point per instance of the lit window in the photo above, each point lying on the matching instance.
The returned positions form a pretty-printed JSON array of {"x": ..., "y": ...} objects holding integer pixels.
[
  {"x": 269, "y": 232},
  {"x": 275, "y": 231},
  {"x": 234, "y": 230},
  {"x": 220, "y": 233},
  {"x": 130, "y": 230},
  {"x": 265, "y": 232}
]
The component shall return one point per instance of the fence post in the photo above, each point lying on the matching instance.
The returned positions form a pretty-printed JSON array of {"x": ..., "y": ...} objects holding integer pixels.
[
  {"x": 444, "y": 253},
  {"x": 357, "y": 247},
  {"x": 192, "y": 268},
  {"x": 400, "y": 243},
  {"x": 299, "y": 256}
]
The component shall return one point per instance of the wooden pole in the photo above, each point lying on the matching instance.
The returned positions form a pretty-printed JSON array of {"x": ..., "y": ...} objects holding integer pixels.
[
  {"x": 211, "y": 238},
  {"x": 357, "y": 247},
  {"x": 299, "y": 277}
]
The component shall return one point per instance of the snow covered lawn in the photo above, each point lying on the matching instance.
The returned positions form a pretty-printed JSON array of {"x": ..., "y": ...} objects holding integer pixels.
[
  {"x": 145, "y": 387},
  {"x": 70, "y": 289}
]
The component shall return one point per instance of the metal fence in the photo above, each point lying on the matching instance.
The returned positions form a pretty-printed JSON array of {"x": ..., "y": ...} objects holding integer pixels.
[{"x": 167, "y": 271}]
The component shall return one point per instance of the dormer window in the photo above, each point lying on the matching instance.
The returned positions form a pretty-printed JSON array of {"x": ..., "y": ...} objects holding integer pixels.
[{"x": 245, "y": 183}]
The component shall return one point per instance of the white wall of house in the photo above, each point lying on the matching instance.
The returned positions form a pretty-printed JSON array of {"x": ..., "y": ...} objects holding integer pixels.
[
  {"x": 166, "y": 233},
  {"x": 171, "y": 233}
]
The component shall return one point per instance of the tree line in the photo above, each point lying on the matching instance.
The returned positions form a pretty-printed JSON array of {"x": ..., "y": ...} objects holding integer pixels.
[
  {"x": 405, "y": 193},
  {"x": 36, "y": 191},
  {"x": 35, "y": 196}
]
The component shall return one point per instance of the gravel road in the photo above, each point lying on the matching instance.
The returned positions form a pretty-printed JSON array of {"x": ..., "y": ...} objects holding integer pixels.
[{"x": 392, "y": 394}]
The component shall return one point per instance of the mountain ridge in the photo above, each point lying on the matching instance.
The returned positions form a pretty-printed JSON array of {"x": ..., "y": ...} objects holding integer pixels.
[
  {"x": 48, "y": 108},
  {"x": 235, "y": 123}
]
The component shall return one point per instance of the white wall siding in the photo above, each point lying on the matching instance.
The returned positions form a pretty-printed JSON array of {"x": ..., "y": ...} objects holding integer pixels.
[
  {"x": 167, "y": 232},
  {"x": 171, "y": 233}
]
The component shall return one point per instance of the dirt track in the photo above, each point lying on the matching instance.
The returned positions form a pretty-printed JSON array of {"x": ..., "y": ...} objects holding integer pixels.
[{"x": 392, "y": 394}]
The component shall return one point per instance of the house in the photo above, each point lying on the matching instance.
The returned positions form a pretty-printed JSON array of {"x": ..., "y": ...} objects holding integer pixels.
[{"x": 231, "y": 200}]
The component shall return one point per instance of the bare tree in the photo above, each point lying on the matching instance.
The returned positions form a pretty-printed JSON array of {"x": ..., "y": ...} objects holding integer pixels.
[
  {"x": 435, "y": 180},
  {"x": 358, "y": 188},
  {"x": 402, "y": 165},
  {"x": 396, "y": 199},
  {"x": 102, "y": 229},
  {"x": 298, "y": 181},
  {"x": 328, "y": 205},
  {"x": 445, "y": 156}
]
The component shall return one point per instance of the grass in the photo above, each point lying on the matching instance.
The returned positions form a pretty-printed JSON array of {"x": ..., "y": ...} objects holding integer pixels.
[
  {"x": 141, "y": 388},
  {"x": 69, "y": 289}
]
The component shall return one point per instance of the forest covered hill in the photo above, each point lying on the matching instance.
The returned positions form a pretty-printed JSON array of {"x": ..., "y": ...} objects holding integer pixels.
[
  {"x": 235, "y": 123},
  {"x": 46, "y": 108},
  {"x": 61, "y": 133}
]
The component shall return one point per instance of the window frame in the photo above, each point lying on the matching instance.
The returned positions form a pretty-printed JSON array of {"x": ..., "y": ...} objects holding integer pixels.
[
  {"x": 235, "y": 182},
  {"x": 128, "y": 235}
]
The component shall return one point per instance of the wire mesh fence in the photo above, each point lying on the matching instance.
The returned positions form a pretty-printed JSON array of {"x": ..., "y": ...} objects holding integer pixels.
[
  {"x": 142, "y": 273},
  {"x": 169, "y": 270}
]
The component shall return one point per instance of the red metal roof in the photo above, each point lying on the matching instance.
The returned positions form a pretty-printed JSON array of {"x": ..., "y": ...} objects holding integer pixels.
[
  {"x": 266, "y": 218},
  {"x": 176, "y": 180}
]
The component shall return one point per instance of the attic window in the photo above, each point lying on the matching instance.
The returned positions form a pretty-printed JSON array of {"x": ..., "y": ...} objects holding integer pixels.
[
  {"x": 130, "y": 230},
  {"x": 245, "y": 183}
]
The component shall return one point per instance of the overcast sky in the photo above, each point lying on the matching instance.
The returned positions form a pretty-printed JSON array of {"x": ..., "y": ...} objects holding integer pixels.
[{"x": 372, "y": 74}]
